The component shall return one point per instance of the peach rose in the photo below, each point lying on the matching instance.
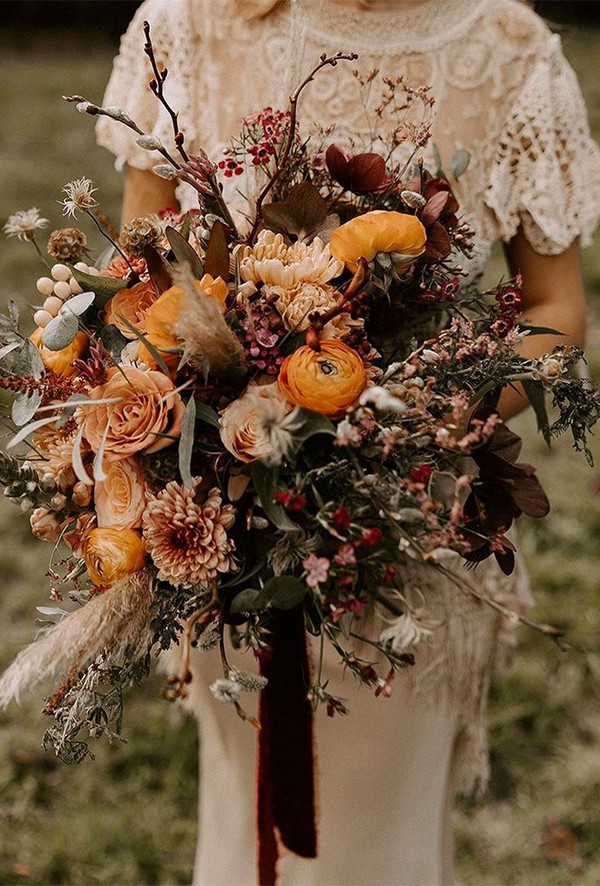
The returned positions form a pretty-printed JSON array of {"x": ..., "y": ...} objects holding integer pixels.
[
  {"x": 377, "y": 231},
  {"x": 61, "y": 362},
  {"x": 244, "y": 423},
  {"x": 328, "y": 381},
  {"x": 111, "y": 554},
  {"x": 165, "y": 313},
  {"x": 147, "y": 417},
  {"x": 120, "y": 500},
  {"x": 131, "y": 304}
]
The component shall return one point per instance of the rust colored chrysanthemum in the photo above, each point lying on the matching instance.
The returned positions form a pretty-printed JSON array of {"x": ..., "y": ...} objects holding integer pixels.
[{"x": 188, "y": 541}]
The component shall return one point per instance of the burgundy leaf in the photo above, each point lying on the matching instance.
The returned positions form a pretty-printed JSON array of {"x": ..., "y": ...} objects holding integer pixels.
[
  {"x": 434, "y": 207},
  {"x": 438, "y": 243},
  {"x": 360, "y": 173}
]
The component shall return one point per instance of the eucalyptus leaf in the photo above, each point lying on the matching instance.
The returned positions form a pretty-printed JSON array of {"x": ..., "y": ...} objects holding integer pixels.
[
  {"x": 311, "y": 424},
  {"x": 184, "y": 252},
  {"x": 265, "y": 484},
  {"x": 186, "y": 443},
  {"x": 52, "y": 610},
  {"x": 8, "y": 349},
  {"x": 78, "y": 304},
  {"x": 24, "y": 407},
  {"x": 60, "y": 332},
  {"x": 284, "y": 591},
  {"x": 459, "y": 162},
  {"x": 29, "y": 361},
  {"x": 247, "y": 601},
  {"x": 104, "y": 287},
  {"x": 535, "y": 394},
  {"x": 113, "y": 340},
  {"x": 207, "y": 414},
  {"x": 13, "y": 313},
  {"x": 29, "y": 429}
]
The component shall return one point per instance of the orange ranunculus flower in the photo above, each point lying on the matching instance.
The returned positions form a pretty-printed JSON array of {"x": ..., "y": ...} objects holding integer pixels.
[
  {"x": 131, "y": 304},
  {"x": 147, "y": 417},
  {"x": 112, "y": 554},
  {"x": 119, "y": 501},
  {"x": 61, "y": 362},
  {"x": 163, "y": 316},
  {"x": 326, "y": 381},
  {"x": 377, "y": 231}
]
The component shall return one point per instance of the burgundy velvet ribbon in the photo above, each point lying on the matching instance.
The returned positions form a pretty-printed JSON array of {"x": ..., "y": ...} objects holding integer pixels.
[{"x": 286, "y": 773}]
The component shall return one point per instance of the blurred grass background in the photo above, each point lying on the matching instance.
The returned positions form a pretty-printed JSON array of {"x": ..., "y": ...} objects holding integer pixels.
[{"x": 129, "y": 816}]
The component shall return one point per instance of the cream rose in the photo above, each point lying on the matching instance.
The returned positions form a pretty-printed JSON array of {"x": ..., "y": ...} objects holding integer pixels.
[
  {"x": 146, "y": 418},
  {"x": 120, "y": 500},
  {"x": 246, "y": 424}
]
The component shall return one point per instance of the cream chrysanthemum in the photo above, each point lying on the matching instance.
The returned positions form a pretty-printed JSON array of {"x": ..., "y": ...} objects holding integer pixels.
[
  {"x": 273, "y": 262},
  {"x": 188, "y": 541}
]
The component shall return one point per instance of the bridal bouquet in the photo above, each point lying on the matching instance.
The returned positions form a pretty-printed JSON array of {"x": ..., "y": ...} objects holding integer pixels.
[{"x": 226, "y": 423}]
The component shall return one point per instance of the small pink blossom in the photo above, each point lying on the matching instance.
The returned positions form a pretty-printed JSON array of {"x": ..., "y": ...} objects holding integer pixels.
[
  {"x": 345, "y": 555},
  {"x": 317, "y": 570}
]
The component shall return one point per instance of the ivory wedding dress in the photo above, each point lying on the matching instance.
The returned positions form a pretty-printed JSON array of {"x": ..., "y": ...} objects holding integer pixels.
[{"x": 504, "y": 92}]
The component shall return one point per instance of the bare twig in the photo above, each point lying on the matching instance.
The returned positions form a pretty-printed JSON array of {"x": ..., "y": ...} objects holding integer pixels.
[
  {"x": 156, "y": 85},
  {"x": 291, "y": 132}
]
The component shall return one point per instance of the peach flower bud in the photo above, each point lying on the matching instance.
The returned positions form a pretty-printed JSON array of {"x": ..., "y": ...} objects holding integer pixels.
[
  {"x": 328, "y": 381},
  {"x": 61, "y": 362},
  {"x": 81, "y": 495},
  {"x": 44, "y": 524},
  {"x": 130, "y": 304},
  {"x": 65, "y": 478},
  {"x": 111, "y": 554},
  {"x": 377, "y": 231},
  {"x": 147, "y": 417},
  {"x": 58, "y": 501},
  {"x": 165, "y": 313},
  {"x": 120, "y": 500}
]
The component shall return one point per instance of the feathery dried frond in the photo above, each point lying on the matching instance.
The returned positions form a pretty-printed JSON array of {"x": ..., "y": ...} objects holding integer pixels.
[
  {"x": 209, "y": 344},
  {"x": 117, "y": 621}
]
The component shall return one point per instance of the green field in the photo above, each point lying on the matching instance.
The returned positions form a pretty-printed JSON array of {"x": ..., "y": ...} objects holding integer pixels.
[{"x": 129, "y": 816}]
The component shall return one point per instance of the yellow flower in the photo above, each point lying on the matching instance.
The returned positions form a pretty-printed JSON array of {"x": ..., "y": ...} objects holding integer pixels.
[
  {"x": 163, "y": 316},
  {"x": 328, "y": 381},
  {"x": 61, "y": 362},
  {"x": 377, "y": 231},
  {"x": 111, "y": 554}
]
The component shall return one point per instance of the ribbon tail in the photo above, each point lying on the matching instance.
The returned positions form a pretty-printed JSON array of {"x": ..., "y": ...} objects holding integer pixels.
[{"x": 286, "y": 792}]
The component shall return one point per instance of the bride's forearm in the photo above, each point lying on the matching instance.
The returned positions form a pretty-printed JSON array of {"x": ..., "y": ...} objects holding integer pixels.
[{"x": 145, "y": 193}]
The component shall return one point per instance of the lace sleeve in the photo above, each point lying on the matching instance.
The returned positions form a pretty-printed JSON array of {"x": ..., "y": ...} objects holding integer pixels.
[
  {"x": 176, "y": 46},
  {"x": 546, "y": 169}
]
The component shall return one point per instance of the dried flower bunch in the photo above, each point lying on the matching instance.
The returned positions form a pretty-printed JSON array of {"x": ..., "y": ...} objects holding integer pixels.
[{"x": 224, "y": 425}]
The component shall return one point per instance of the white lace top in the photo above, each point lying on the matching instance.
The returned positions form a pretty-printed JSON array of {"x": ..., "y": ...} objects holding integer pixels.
[{"x": 503, "y": 91}]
